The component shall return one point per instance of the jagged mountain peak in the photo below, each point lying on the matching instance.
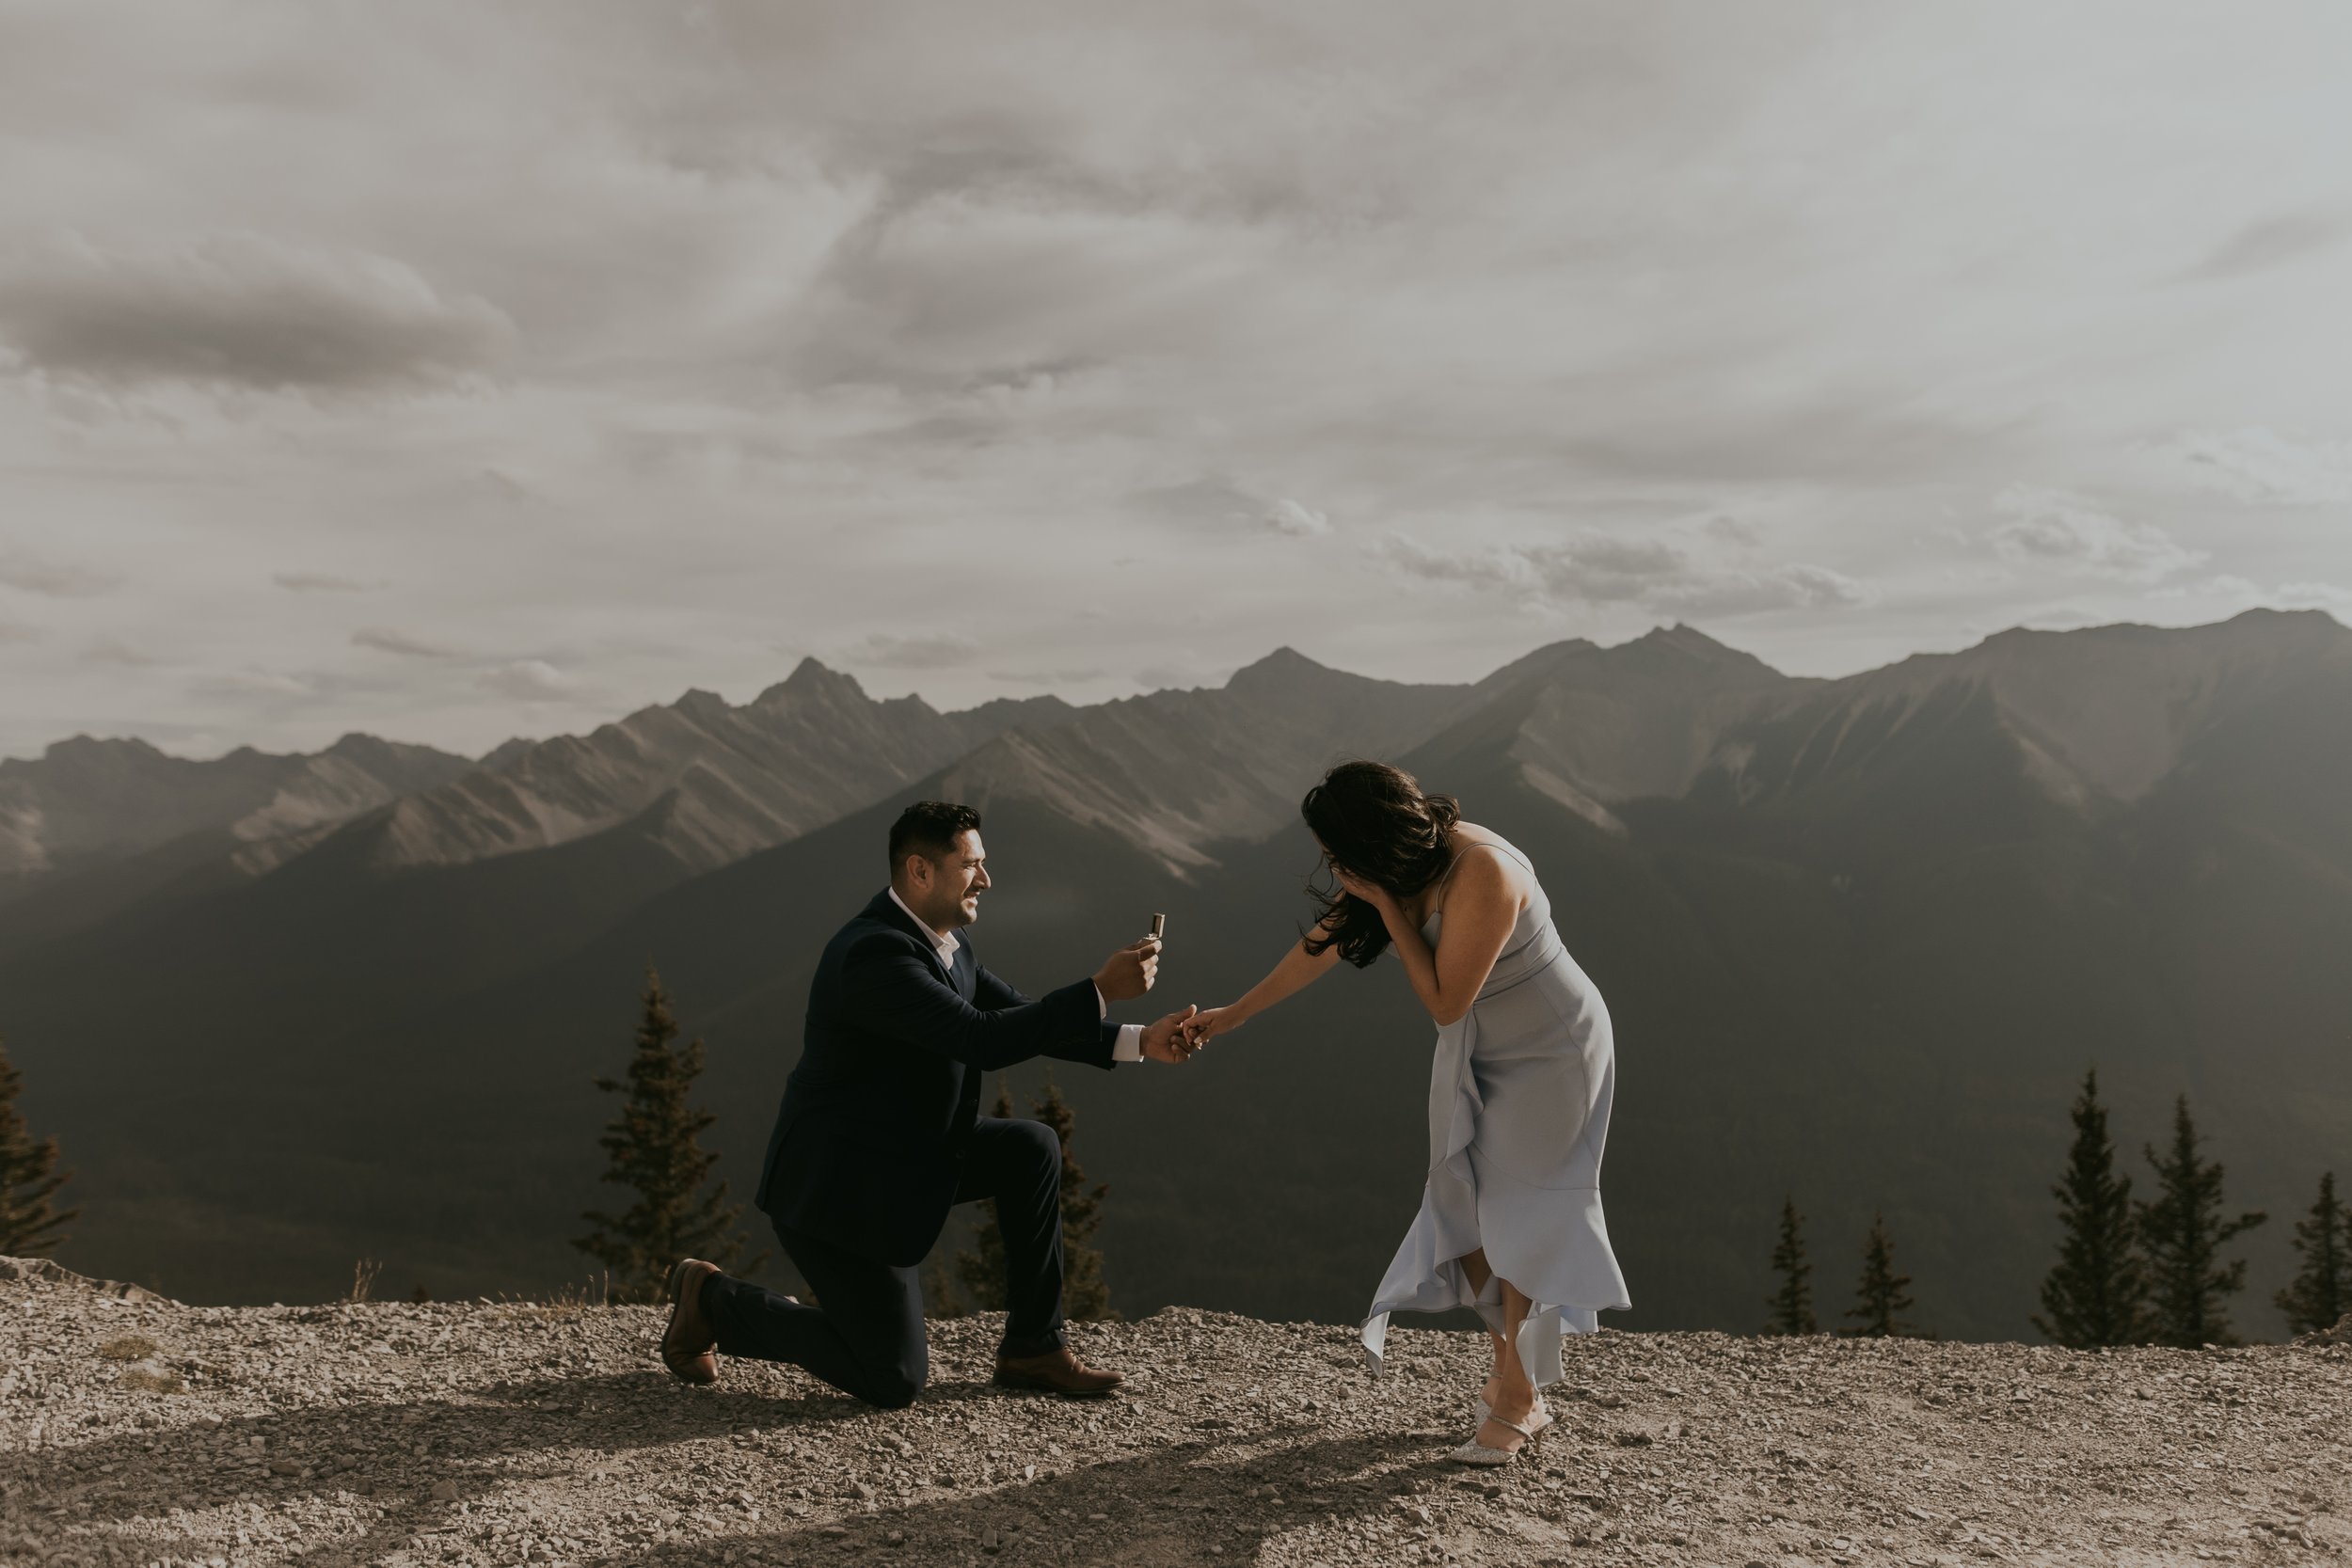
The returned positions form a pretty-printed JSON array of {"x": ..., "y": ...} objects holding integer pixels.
[
  {"x": 1688, "y": 642},
  {"x": 1595, "y": 726},
  {"x": 1550, "y": 656},
  {"x": 1679, "y": 653},
  {"x": 1285, "y": 665},
  {"x": 695, "y": 703},
  {"x": 808, "y": 749},
  {"x": 358, "y": 746},
  {"x": 80, "y": 748},
  {"x": 811, "y": 678},
  {"x": 506, "y": 752}
]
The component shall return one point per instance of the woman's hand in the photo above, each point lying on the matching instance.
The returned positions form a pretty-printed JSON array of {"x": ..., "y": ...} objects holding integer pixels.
[
  {"x": 1205, "y": 1025},
  {"x": 1383, "y": 902}
]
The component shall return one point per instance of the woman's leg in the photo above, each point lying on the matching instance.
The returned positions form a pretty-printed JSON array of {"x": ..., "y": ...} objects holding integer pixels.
[
  {"x": 1475, "y": 1270},
  {"x": 1510, "y": 1393}
]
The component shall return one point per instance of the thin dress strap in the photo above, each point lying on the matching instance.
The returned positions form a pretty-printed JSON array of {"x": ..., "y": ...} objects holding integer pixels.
[{"x": 1462, "y": 855}]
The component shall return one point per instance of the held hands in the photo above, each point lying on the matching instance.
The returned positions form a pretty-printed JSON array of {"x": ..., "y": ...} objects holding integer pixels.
[
  {"x": 1129, "y": 972},
  {"x": 1206, "y": 1025},
  {"x": 1166, "y": 1042},
  {"x": 1177, "y": 1038}
]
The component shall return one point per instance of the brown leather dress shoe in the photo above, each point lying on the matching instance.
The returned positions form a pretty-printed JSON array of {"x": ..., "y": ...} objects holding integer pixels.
[
  {"x": 1057, "y": 1371},
  {"x": 689, "y": 1346}
]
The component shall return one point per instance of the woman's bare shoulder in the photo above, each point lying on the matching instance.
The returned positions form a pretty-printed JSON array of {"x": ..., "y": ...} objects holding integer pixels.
[
  {"x": 1498, "y": 875},
  {"x": 1470, "y": 835}
]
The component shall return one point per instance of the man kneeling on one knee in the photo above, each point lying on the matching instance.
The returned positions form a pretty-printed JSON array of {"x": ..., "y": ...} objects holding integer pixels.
[{"x": 880, "y": 1134}]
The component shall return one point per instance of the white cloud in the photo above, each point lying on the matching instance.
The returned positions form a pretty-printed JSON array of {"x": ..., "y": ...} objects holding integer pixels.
[
  {"x": 2264, "y": 467},
  {"x": 1598, "y": 570},
  {"x": 1220, "y": 501},
  {"x": 2052, "y": 529},
  {"x": 890, "y": 651},
  {"x": 1734, "y": 530},
  {"x": 527, "y": 680},
  {"x": 2314, "y": 595},
  {"x": 241, "y": 310},
  {"x": 254, "y": 682},
  {"x": 13, "y": 635},
  {"x": 2207, "y": 589},
  {"x": 1745, "y": 593},
  {"x": 386, "y": 640},
  {"x": 1297, "y": 520},
  {"x": 55, "y": 580},
  {"x": 1479, "y": 566}
]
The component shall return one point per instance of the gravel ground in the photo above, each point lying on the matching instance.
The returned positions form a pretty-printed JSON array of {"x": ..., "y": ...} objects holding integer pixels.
[{"x": 133, "y": 1430}]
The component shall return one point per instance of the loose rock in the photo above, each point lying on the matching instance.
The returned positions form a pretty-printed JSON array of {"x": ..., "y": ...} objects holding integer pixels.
[{"x": 505, "y": 1432}]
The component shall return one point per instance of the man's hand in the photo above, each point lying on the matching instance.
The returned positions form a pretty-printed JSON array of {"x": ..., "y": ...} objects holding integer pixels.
[
  {"x": 1129, "y": 972},
  {"x": 1166, "y": 1042}
]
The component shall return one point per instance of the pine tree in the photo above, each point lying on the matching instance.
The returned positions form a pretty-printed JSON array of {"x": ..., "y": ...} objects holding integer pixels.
[
  {"x": 2097, "y": 1291},
  {"x": 1792, "y": 1304},
  {"x": 1883, "y": 1296},
  {"x": 1085, "y": 1297},
  {"x": 653, "y": 1148},
  {"x": 2184, "y": 1233},
  {"x": 979, "y": 1269},
  {"x": 31, "y": 1224},
  {"x": 2322, "y": 1291}
]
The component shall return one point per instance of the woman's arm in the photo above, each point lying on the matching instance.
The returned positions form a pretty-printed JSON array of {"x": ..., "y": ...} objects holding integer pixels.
[
  {"x": 1481, "y": 908},
  {"x": 1298, "y": 970}
]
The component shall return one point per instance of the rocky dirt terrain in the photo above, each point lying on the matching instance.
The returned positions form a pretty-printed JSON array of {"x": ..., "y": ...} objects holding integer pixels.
[{"x": 133, "y": 1430}]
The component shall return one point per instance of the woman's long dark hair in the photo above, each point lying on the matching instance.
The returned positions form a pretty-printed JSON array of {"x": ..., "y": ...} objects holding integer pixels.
[{"x": 1375, "y": 824}]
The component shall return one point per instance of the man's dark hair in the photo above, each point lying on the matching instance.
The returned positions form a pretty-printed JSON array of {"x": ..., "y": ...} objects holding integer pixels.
[{"x": 928, "y": 829}]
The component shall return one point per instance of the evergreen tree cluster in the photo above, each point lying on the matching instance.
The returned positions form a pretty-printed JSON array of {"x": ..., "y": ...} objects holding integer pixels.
[
  {"x": 2147, "y": 1271},
  {"x": 973, "y": 1279},
  {"x": 1881, "y": 1296},
  {"x": 2129, "y": 1271}
]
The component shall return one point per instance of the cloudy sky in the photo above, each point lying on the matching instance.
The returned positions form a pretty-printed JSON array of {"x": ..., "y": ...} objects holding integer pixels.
[{"x": 456, "y": 371}]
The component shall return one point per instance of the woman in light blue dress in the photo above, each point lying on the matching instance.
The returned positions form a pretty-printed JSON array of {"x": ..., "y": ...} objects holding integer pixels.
[{"x": 1510, "y": 1222}]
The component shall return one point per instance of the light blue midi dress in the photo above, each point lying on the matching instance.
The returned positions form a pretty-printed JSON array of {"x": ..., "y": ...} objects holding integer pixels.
[{"x": 1519, "y": 1109}]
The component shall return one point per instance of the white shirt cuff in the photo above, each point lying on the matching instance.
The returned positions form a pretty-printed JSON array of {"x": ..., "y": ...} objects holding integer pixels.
[{"x": 1129, "y": 1047}]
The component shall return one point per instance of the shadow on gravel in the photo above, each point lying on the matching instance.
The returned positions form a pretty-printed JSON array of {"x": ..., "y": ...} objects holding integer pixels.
[
  {"x": 348, "y": 1447},
  {"x": 1160, "y": 1506}
]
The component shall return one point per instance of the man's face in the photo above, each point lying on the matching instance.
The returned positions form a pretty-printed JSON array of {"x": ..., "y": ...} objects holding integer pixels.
[{"x": 948, "y": 890}]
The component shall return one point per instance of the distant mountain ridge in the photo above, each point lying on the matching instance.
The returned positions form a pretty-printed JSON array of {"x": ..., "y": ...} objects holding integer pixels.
[
  {"x": 2103, "y": 714},
  {"x": 807, "y": 751},
  {"x": 1176, "y": 772},
  {"x": 86, "y": 800}
]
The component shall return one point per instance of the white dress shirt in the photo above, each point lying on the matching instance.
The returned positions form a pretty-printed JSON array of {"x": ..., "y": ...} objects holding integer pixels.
[{"x": 1129, "y": 1046}]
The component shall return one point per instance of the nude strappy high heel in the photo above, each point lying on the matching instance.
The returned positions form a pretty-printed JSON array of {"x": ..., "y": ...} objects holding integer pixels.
[{"x": 1477, "y": 1452}]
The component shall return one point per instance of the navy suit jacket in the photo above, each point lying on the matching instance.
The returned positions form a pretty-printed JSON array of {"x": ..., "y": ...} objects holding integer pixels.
[{"x": 868, "y": 1148}]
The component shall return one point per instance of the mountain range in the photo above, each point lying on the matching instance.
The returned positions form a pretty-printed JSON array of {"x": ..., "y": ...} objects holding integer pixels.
[{"x": 1860, "y": 939}]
